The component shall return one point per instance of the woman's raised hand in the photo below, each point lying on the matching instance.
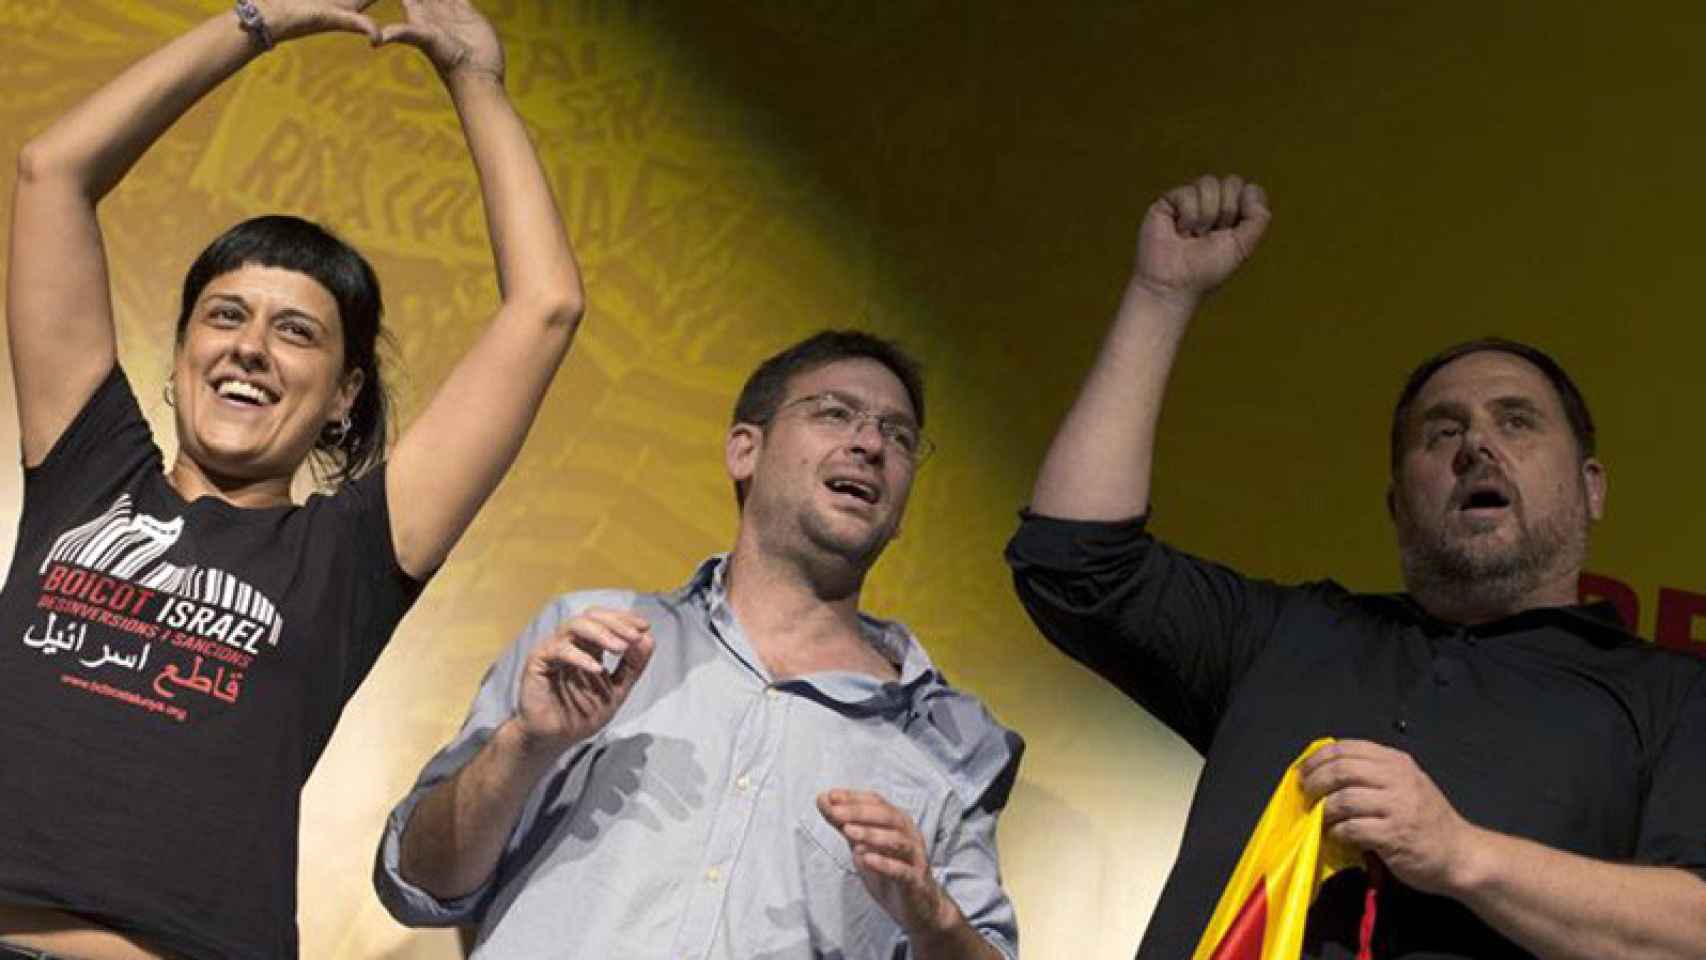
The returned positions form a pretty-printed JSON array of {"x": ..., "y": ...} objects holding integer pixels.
[
  {"x": 290, "y": 19},
  {"x": 453, "y": 35}
]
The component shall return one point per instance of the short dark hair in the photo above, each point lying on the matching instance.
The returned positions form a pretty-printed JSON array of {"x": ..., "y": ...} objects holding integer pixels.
[
  {"x": 292, "y": 243},
  {"x": 766, "y": 388},
  {"x": 1575, "y": 405},
  {"x": 768, "y": 384}
]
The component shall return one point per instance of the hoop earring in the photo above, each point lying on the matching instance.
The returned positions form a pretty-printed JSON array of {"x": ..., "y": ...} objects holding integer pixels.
[{"x": 336, "y": 433}]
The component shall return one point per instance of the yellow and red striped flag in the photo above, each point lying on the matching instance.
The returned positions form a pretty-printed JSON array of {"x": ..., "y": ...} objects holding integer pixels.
[{"x": 1263, "y": 910}]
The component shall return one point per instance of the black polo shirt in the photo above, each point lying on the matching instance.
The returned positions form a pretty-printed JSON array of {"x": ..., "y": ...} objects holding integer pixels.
[{"x": 1556, "y": 724}]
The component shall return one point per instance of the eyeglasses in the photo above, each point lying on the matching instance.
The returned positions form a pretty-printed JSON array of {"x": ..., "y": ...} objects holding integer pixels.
[{"x": 835, "y": 414}]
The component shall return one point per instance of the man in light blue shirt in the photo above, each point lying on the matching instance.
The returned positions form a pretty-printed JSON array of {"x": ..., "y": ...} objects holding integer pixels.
[{"x": 747, "y": 767}]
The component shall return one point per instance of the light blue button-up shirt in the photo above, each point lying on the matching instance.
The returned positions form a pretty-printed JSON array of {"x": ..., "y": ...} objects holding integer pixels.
[{"x": 688, "y": 827}]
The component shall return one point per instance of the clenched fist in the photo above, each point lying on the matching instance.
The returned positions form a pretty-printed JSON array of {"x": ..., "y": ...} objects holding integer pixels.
[{"x": 1195, "y": 236}]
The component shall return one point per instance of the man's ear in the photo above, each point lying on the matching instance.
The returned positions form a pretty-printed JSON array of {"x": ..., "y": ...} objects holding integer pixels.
[
  {"x": 741, "y": 449},
  {"x": 1594, "y": 481}
]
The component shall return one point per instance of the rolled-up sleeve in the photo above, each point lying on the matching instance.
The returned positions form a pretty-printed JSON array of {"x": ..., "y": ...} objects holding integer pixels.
[
  {"x": 494, "y": 704},
  {"x": 980, "y": 758},
  {"x": 969, "y": 871},
  {"x": 1171, "y": 631}
]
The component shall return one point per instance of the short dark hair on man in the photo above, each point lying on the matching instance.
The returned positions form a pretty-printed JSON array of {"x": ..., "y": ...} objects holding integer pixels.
[
  {"x": 292, "y": 243},
  {"x": 768, "y": 384},
  {"x": 1575, "y": 406},
  {"x": 764, "y": 391}
]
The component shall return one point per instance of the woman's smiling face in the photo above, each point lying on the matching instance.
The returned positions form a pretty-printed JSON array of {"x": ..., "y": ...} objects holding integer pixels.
[{"x": 259, "y": 373}]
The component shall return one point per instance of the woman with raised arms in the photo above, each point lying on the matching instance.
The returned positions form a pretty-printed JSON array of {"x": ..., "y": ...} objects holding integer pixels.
[{"x": 177, "y": 640}]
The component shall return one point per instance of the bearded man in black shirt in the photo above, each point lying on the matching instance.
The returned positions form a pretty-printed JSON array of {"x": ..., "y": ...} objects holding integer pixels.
[{"x": 1523, "y": 774}]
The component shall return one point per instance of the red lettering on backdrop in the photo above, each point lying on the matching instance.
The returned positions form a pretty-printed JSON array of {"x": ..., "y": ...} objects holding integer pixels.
[
  {"x": 1677, "y": 611},
  {"x": 1592, "y": 588}
]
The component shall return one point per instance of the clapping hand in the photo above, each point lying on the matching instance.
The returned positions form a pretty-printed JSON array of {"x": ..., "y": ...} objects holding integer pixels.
[
  {"x": 890, "y": 858},
  {"x": 566, "y": 695}
]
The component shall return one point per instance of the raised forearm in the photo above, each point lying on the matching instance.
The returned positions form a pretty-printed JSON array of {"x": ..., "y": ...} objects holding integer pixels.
[
  {"x": 93, "y": 145},
  {"x": 563, "y": 697},
  {"x": 58, "y": 310},
  {"x": 1191, "y": 240},
  {"x": 1560, "y": 906},
  {"x": 1098, "y": 466},
  {"x": 535, "y": 265},
  {"x": 480, "y": 416},
  {"x": 457, "y": 833}
]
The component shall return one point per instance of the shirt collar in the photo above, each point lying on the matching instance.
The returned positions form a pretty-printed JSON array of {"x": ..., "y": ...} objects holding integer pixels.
[
  {"x": 1597, "y": 621},
  {"x": 709, "y": 584},
  {"x": 979, "y": 756}
]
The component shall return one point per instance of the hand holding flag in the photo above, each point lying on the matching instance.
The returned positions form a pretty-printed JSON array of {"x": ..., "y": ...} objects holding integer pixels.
[{"x": 1378, "y": 799}]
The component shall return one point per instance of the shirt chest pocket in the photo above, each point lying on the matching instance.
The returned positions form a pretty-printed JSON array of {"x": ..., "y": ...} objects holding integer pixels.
[
  {"x": 821, "y": 838},
  {"x": 828, "y": 911}
]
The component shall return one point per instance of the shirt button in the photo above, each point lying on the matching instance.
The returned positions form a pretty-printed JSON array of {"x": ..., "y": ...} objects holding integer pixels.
[
  {"x": 743, "y": 782},
  {"x": 1402, "y": 726},
  {"x": 773, "y": 693},
  {"x": 713, "y": 875}
]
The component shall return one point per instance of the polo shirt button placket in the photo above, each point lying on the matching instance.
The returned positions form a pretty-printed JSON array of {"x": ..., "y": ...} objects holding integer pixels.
[{"x": 1444, "y": 666}]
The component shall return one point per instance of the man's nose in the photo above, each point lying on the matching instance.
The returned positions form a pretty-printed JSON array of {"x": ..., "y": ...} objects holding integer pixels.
[
  {"x": 1476, "y": 447},
  {"x": 868, "y": 437}
]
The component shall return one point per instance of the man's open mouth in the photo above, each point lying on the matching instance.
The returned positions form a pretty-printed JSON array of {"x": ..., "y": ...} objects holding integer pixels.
[
  {"x": 1485, "y": 497},
  {"x": 848, "y": 486}
]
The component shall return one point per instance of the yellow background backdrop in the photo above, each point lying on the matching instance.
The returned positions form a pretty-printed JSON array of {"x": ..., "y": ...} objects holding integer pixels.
[{"x": 967, "y": 177}]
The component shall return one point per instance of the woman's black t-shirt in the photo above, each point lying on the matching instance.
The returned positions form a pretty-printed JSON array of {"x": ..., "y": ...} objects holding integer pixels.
[{"x": 169, "y": 674}]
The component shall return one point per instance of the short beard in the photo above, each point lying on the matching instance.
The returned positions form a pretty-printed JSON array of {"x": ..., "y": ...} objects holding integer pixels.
[
  {"x": 858, "y": 553},
  {"x": 1461, "y": 575}
]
